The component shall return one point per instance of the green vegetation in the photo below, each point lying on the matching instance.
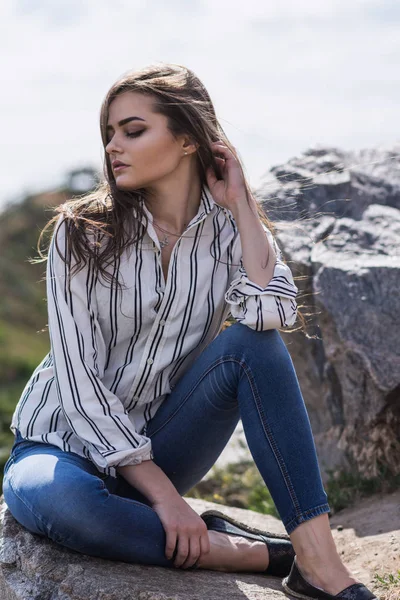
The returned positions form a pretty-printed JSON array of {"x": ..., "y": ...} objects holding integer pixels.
[
  {"x": 346, "y": 488},
  {"x": 242, "y": 486},
  {"x": 7, "y": 405},
  {"x": 24, "y": 339},
  {"x": 21, "y": 351},
  {"x": 387, "y": 586},
  {"x": 239, "y": 485}
]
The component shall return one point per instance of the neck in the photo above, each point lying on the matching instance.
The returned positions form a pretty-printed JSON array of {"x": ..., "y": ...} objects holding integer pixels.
[{"x": 173, "y": 203}]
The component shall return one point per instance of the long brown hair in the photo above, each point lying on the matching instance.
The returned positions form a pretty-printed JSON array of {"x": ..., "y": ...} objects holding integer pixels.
[{"x": 106, "y": 212}]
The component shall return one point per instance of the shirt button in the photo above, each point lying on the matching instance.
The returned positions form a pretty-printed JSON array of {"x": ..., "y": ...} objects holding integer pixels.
[
  {"x": 162, "y": 322},
  {"x": 150, "y": 361}
]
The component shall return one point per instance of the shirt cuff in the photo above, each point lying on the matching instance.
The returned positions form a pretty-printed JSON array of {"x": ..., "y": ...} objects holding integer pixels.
[
  {"x": 281, "y": 284},
  {"x": 121, "y": 458}
]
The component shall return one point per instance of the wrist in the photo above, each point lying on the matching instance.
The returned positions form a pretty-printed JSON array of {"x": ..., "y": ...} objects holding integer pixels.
[
  {"x": 150, "y": 480},
  {"x": 243, "y": 208},
  {"x": 167, "y": 497}
]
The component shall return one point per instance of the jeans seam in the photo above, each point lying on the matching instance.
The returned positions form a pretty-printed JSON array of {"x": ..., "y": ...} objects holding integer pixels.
[
  {"x": 317, "y": 510},
  {"x": 271, "y": 439}
]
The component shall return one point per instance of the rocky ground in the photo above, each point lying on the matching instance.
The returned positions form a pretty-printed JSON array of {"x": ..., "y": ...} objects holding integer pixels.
[{"x": 367, "y": 537}]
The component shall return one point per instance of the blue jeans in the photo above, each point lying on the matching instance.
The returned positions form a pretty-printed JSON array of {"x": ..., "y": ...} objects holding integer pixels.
[{"x": 240, "y": 374}]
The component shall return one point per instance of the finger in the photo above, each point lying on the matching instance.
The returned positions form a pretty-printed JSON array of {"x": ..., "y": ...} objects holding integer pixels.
[
  {"x": 183, "y": 550},
  {"x": 205, "y": 543},
  {"x": 220, "y": 150},
  {"x": 170, "y": 544},
  {"x": 221, "y": 163},
  {"x": 211, "y": 176},
  {"x": 218, "y": 145},
  {"x": 194, "y": 552},
  {"x": 225, "y": 151}
]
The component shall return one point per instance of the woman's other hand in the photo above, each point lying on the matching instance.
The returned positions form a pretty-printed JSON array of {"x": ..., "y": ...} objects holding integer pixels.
[{"x": 185, "y": 530}]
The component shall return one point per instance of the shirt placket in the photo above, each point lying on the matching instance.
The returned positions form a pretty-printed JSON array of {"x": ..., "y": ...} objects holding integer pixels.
[{"x": 147, "y": 360}]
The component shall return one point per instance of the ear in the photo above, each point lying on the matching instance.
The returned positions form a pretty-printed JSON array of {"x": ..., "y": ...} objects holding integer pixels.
[{"x": 189, "y": 145}]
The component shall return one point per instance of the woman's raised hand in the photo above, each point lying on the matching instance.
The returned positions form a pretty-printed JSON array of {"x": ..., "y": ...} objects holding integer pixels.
[{"x": 230, "y": 191}]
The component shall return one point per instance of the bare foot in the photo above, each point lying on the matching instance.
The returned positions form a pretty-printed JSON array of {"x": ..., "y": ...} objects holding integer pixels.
[
  {"x": 233, "y": 553},
  {"x": 331, "y": 576}
]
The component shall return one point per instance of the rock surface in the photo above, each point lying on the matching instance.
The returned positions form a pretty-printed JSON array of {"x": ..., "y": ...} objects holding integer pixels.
[
  {"x": 331, "y": 181},
  {"x": 337, "y": 220},
  {"x": 34, "y": 568}
]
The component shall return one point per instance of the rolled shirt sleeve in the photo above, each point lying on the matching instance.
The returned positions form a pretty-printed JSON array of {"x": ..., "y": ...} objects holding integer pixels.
[
  {"x": 96, "y": 415},
  {"x": 264, "y": 308}
]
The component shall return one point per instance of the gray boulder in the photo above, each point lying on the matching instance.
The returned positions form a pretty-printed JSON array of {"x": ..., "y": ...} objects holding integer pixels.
[
  {"x": 36, "y": 568},
  {"x": 337, "y": 222},
  {"x": 367, "y": 538},
  {"x": 333, "y": 182}
]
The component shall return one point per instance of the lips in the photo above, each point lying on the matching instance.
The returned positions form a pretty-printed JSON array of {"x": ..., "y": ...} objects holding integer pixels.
[{"x": 118, "y": 164}]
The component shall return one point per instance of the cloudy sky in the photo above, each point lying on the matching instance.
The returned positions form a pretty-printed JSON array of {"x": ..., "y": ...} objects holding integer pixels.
[{"x": 284, "y": 76}]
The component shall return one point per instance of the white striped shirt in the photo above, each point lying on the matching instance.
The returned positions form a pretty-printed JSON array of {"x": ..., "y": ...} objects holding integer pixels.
[{"x": 115, "y": 357}]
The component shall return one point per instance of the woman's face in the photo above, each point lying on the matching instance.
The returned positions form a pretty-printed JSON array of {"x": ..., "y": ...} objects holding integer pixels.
[{"x": 144, "y": 144}]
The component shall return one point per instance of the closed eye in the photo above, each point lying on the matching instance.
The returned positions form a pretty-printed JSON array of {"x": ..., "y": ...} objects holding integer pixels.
[
  {"x": 135, "y": 134},
  {"x": 128, "y": 134}
]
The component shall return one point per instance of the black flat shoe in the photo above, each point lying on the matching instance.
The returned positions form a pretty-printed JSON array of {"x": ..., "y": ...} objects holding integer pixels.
[
  {"x": 297, "y": 586},
  {"x": 280, "y": 549}
]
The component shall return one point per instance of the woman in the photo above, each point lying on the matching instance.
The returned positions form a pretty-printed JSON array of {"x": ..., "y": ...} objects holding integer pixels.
[{"x": 141, "y": 389}]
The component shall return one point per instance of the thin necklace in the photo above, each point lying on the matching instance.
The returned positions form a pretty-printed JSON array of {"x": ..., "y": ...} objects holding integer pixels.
[{"x": 165, "y": 241}]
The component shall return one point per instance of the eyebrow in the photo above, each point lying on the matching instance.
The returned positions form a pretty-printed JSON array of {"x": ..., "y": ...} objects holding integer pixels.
[{"x": 123, "y": 121}]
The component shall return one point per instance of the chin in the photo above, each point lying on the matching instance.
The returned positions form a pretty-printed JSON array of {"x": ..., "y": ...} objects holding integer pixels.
[{"x": 125, "y": 185}]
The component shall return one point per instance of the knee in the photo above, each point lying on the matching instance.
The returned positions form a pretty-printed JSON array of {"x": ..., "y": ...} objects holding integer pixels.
[
  {"x": 240, "y": 334},
  {"x": 55, "y": 502},
  {"x": 76, "y": 509},
  {"x": 266, "y": 346},
  {"x": 22, "y": 512}
]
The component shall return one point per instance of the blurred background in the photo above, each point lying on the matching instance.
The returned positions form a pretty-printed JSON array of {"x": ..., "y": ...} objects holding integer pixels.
[{"x": 284, "y": 76}]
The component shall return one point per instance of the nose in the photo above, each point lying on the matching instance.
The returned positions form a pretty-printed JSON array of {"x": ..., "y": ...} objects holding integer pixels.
[{"x": 112, "y": 146}]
